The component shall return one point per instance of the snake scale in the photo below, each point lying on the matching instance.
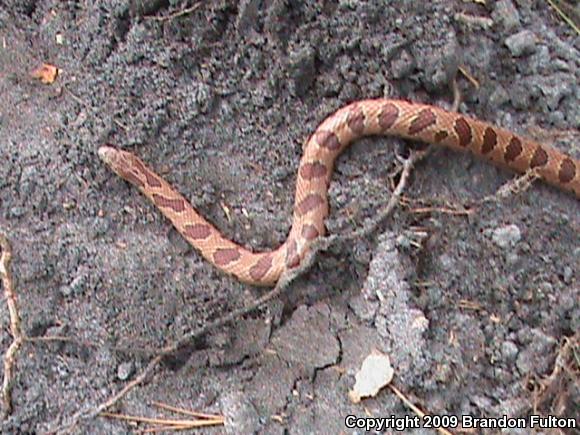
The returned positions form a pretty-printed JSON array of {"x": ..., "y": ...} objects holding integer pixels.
[{"x": 400, "y": 118}]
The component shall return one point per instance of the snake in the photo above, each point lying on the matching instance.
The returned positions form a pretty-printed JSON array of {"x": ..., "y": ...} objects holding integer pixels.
[{"x": 370, "y": 117}]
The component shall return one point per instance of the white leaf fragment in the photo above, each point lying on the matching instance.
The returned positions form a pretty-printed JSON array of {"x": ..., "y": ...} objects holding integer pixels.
[{"x": 376, "y": 372}]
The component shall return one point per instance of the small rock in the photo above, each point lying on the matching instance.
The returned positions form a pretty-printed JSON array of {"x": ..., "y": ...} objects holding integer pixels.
[
  {"x": 302, "y": 69},
  {"x": 441, "y": 66},
  {"x": 545, "y": 288},
  {"x": 541, "y": 60},
  {"x": 509, "y": 350},
  {"x": 536, "y": 356},
  {"x": 506, "y": 14},
  {"x": 575, "y": 316},
  {"x": 512, "y": 259},
  {"x": 499, "y": 96},
  {"x": 240, "y": 413},
  {"x": 568, "y": 274},
  {"x": 16, "y": 212},
  {"x": 521, "y": 43},
  {"x": 567, "y": 300},
  {"x": 100, "y": 226},
  {"x": 481, "y": 401},
  {"x": 401, "y": 66},
  {"x": 520, "y": 96},
  {"x": 506, "y": 237},
  {"x": 524, "y": 362},
  {"x": 77, "y": 285},
  {"x": 364, "y": 309},
  {"x": 125, "y": 370},
  {"x": 247, "y": 15}
]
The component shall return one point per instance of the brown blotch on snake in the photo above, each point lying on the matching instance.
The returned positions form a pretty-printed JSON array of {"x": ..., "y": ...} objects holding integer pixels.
[
  {"x": 225, "y": 256},
  {"x": 309, "y": 232},
  {"x": 309, "y": 203},
  {"x": 388, "y": 115},
  {"x": 425, "y": 118},
  {"x": 177, "y": 205},
  {"x": 489, "y": 140},
  {"x": 567, "y": 170},
  {"x": 309, "y": 171},
  {"x": 540, "y": 158},
  {"x": 327, "y": 139},
  {"x": 463, "y": 131},
  {"x": 356, "y": 120},
  {"x": 258, "y": 270},
  {"x": 197, "y": 231},
  {"x": 152, "y": 181},
  {"x": 513, "y": 150}
]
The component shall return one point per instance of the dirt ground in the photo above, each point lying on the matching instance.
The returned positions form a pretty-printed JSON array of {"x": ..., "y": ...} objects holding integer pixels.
[{"x": 475, "y": 302}]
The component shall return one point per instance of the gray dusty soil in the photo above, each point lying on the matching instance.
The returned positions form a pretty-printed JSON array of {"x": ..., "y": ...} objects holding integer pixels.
[{"x": 473, "y": 309}]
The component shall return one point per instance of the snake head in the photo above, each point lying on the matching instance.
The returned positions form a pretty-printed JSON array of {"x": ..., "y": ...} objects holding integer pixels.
[
  {"x": 124, "y": 164},
  {"x": 110, "y": 155}
]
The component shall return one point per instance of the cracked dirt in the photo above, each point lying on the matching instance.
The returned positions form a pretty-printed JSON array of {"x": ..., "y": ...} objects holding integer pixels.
[{"x": 472, "y": 300}]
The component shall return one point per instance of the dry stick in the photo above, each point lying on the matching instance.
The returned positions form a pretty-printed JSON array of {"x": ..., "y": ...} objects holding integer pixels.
[
  {"x": 166, "y": 421},
  {"x": 558, "y": 6},
  {"x": 415, "y": 409},
  {"x": 15, "y": 327},
  {"x": 177, "y": 410},
  {"x": 283, "y": 283},
  {"x": 174, "y": 15}
]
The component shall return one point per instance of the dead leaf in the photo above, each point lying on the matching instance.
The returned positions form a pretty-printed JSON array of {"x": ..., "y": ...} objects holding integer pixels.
[
  {"x": 47, "y": 73},
  {"x": 376, "y": 372}
]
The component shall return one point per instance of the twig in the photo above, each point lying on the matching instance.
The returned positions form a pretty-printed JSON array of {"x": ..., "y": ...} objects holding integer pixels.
[
  {"x": 414, "y": 408},
  {"x": 463, "y": 70},
  {"x": 382, "y": 214},
  {"x": 514, "y": 186},
  {"x": 15, "y": 327},
  {"x": 217, "y": 420},
  {"x": 174, "y": 15},
  {"x": 562, "y": 5},
  {"x": 186, "y": 411}
]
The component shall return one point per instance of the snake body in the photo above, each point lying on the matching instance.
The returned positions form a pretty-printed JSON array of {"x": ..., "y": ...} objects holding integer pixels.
[{"x": 363, "y": 118}]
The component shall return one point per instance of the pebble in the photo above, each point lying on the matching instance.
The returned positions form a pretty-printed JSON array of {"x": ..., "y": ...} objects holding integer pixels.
[
  {"x": 499, "y": 96},
  {"x": 76, "y": 286},
  {"x": 302, "y": 69},
  {"x": 16, "y": 212},
  {"x": 568, "y": 274},
  {"x": 506, "y": 14},
  {"x": 535, "y": 356},
  {"x": 125, "y": 370},
  {"x": 247, "y": 15},
  {"x": 402, "y": 65},
  {"x": 240, "y": 413},
  {"x": 521, "y": 43},
  {"x": 100, "y": 227},
  {"x": 364, "y": 309},
  {"x": 509, "y": 350},
  {"x": 507, "y": 236}
]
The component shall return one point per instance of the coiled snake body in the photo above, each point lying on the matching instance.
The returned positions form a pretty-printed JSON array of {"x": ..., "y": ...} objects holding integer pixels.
[{"x": 363, "y": 118}]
